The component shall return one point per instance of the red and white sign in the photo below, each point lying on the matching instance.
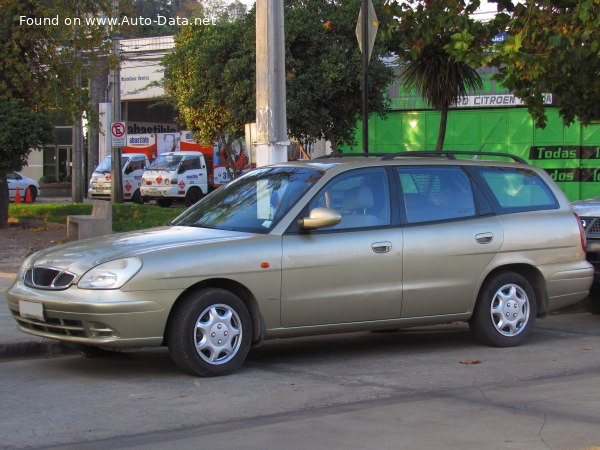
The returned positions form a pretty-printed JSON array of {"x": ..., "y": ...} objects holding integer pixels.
[
  {"x": 118, "y": 133},
  {"x": 141, "y": 143}
]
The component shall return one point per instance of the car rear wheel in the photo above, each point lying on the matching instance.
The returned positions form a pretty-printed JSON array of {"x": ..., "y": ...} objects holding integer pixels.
[
  {"x": 505, "y": 311},
  {"x": 164, "y": 202},
  {"x": 210, "y": 333}
]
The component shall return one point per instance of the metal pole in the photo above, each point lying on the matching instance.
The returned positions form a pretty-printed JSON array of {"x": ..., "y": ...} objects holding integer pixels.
[
  {"x": 364, "y": 10},
  {"x": 117, "y": 180}
]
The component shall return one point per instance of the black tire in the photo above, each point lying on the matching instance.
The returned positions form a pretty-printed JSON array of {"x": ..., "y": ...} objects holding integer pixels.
[
  {"x": 164, "y": 202},
  {"x": 216, "y": 317},
  {"x": 34, "y": 193},
  {"x": 505, "y": 311},
  {"x": 192, "y": 196},
  {"x": 137, "y": 197},
  {"x": 592, "y": 301}
]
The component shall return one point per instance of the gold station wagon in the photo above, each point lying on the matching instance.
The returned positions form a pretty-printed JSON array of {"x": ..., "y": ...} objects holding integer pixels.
[{"x": 323, "y": 246}]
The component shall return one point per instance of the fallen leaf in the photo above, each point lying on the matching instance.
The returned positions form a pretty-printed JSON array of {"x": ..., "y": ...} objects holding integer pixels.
[{"x": 470, "y": 361}]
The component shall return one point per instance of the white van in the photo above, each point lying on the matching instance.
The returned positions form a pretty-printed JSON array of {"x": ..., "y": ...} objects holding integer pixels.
[
  {"x": 133, "y": 166},
  {"x": 176, "y": 176}
]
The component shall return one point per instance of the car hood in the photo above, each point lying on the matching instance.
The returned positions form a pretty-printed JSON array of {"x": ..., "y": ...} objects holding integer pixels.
[
  {"x": 79, "y": 256},
  {"x": 587, "y": 208}
]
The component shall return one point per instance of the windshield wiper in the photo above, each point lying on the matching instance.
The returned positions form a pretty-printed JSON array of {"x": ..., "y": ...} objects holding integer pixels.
[{"x": 201, "y": 225}]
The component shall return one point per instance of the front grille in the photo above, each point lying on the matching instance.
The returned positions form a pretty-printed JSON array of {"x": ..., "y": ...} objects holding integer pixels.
[
  {"x": 58, "y": 327},
  {"x": 48, "y": 278},
  {"x": 591, "y": 225}
]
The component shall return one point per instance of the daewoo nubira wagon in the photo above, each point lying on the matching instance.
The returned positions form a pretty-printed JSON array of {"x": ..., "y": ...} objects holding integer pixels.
[{"x": 322, "y": 246}]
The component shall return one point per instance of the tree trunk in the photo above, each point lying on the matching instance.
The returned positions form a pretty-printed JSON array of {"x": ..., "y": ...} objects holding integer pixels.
[
  {"x": 442, "y": 133},
  {"x": 3, "y": 202}
]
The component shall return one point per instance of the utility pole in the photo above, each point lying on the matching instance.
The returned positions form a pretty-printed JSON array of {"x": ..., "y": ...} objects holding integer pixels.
[
  {"x": 271, "y": 119},
  {"x": 364, "y": 12},
  {"x": 117, "y": 180}
]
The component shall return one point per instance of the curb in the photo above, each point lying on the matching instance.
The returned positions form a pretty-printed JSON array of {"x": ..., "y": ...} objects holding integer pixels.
[{"x": 26, "y": 350}]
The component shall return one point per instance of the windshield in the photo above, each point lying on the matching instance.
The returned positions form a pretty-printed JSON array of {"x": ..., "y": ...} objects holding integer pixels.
[
  {"x": 105, "y": 165},
  {"x": 254, "y": 202},
  {"x": 165, "y": 162}
]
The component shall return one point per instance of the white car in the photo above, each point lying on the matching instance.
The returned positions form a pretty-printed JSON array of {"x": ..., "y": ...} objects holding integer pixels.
[{"x": 22, "y": 182}]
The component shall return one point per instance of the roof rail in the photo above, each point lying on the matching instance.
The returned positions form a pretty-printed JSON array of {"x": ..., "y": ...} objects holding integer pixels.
[
  {"x": 451, "y": 154},
  {"x": 350, "y": 155}
]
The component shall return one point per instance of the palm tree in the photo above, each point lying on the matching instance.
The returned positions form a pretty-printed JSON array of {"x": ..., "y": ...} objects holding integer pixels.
[{"x": 440, "y": 79}]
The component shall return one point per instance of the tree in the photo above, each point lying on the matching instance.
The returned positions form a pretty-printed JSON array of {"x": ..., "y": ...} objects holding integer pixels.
[
  {"x": 323, "y": 65},
  {"x": 441, "y": 80},
  {"x": 22, "y": 130},
  {"x": 211, "y": 75},
  {"x": 40, "y": 63},
  {"x": 553, "y": 47},
  {"x": 43, "y": 53},
  {"x": 210, "y": 80},
  {"x": 439, "y": 45}
]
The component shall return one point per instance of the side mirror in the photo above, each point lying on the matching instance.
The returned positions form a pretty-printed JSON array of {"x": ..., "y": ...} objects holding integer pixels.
[{"x": 320, "y": 218}]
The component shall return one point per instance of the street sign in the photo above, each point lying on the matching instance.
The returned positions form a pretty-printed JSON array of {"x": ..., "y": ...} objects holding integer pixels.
[
  {"x": 118, "y": 133},
  {"x": 371, "y": 30}
]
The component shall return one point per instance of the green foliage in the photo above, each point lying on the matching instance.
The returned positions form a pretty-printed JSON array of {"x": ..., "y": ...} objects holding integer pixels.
[
  {"x": 40, "y": 63},
  {"x": 126, "y": 217},
  {"x": 439, "y": 47},
  {"x": 554, "y": 48},
  {"x": 324, "y": 71},
  {"x": 210, "y": 77},
  {"x": 22, "y": 130}
]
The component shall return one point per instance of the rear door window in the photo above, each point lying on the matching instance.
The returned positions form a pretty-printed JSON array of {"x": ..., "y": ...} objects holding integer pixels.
[
  {"x": 517, "y": 189},
  {"x": 435, "y": 193}
]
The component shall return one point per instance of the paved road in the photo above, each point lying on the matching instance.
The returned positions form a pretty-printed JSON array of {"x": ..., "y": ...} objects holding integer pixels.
[{"x": 408, "y": 390}]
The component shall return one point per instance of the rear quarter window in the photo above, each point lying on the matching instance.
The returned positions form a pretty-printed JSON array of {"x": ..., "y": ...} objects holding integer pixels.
[{"x": 517, "y": 189}]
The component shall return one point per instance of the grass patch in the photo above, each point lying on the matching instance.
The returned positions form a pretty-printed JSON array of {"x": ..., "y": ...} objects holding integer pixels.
[{"x": 126, "y": 216}]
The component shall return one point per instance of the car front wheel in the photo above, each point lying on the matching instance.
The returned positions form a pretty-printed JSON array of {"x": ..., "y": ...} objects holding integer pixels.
[
  {"x": 505, "y": 311},
  {"x": 210, "y": 333},
  {"x": 192, "y": 196}
]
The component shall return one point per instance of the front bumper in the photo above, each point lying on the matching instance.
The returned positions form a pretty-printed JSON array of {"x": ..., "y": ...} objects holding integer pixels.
[{"x": 111, "y": 318}]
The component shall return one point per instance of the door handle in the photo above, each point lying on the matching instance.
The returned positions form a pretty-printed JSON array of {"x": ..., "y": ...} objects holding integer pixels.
[
  {"x": 381, "y": 247},
  {"x": 484, "y": 238}
]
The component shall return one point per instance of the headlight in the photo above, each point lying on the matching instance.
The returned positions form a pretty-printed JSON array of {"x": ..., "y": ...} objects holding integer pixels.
[{"x": 111, "y": 274}]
